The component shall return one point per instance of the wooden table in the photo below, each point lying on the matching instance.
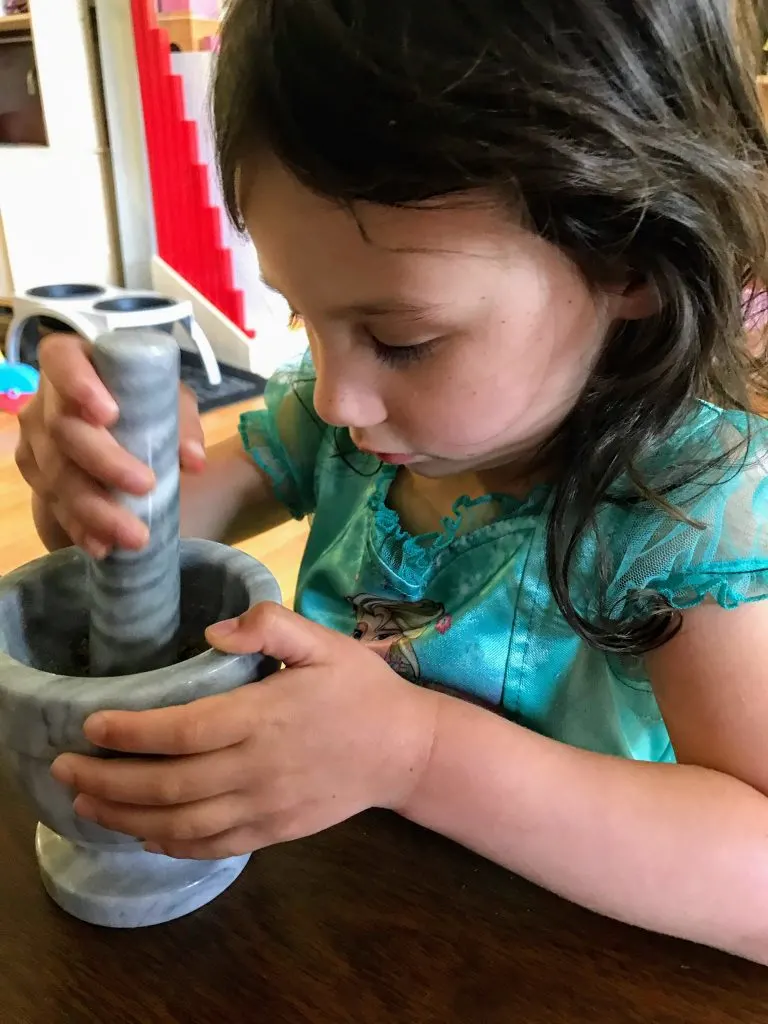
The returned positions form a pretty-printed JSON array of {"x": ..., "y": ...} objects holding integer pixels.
[{"x": 375, "y": 922}]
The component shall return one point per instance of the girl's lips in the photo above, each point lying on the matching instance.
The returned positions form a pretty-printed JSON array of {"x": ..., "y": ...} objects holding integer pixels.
[{"x": 394, "y": 459}]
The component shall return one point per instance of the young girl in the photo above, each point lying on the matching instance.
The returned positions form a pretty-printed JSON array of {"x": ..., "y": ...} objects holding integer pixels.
[{"x": 531, "y": 605}]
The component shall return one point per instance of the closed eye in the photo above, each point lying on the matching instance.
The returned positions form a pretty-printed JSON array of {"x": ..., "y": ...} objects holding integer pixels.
[
  {"x": 400, "y": 355},
  {"x": 392, "y": 355}
]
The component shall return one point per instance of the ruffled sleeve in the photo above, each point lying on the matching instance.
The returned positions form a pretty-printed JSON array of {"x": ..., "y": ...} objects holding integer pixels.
[
  {"x": 720, "y": 552},
  {"x": 284, "y": 439}
]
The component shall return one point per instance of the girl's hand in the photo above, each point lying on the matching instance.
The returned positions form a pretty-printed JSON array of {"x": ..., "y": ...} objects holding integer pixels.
[
  {"x": 71, "y": 461},
  {"x": 334, "y": 733}
]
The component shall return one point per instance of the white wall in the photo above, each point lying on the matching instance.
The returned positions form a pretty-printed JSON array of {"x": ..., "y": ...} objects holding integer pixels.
[
  {"x": 6, "y": 281},
  {"x": 55, "y": 200}
]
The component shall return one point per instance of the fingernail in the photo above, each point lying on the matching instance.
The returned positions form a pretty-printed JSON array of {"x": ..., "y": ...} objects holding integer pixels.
[
  {"x": 95, "y": 548},
  {"x": 194, "y": 450},
  {"x": 140, "y": 479},
  {"x": 84, "y": 807},
  {"x": 95, "y": 727},
  {"x": 224, "y": 628},
  {"x": 107, "y": 405},
  {"x": 61, "y": 770},
  {"x": 133, "y": 536}
]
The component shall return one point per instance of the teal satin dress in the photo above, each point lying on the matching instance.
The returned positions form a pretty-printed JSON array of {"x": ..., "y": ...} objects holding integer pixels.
[{"x": 469, "y": 608}]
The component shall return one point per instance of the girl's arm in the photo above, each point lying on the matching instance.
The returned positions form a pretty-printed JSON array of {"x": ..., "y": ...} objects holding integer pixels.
[
  {"x": 677, "y": 848},
  {"x": 231, "y": 499}
]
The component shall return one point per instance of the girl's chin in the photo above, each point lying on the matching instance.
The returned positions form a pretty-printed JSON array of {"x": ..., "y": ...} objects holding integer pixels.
[{"x": 467, "y": 462}]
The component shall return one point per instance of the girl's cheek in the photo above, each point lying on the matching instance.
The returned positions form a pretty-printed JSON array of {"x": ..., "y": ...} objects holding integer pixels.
[{"x": 463, "y": 416}]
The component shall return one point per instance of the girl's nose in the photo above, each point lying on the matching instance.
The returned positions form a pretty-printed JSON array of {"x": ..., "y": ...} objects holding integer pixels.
[{"x": 346, "y": 394}]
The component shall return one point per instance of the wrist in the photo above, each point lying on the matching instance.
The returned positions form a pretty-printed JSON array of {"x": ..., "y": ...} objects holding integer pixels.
[{"x": 415, "y": 732}]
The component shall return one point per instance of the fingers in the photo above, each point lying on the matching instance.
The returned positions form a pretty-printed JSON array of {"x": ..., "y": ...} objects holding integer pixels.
[
  {"x": 254, "y": 832},
  {"x": 208, "y": 724},
  {"x": 65, "y": 363},
  {"x": 69, "y": 458},
  {"x": 275, "y": 631},
  {"x": 71, "y": 461},
  {"x": 81, "y": 505},
  {"x": 89, "y": 542},
  {"x": 185, "y": 823},
  {"x": 26, "y": 463},
  {"x": 191, "y": 439},
  {"x": 235, "y": 842},
  {"x": 56, "y": 527},
  {"x": 153, "y": 783},
  {"x": 97, "y": 453},
  {"x": 85, "y": 509}
]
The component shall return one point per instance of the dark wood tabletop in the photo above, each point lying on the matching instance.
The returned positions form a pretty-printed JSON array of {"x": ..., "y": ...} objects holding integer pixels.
[{"x": 374, "y": 922}]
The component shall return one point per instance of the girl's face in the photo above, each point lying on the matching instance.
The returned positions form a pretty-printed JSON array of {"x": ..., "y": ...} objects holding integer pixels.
[{"x": 450, "y": 339}]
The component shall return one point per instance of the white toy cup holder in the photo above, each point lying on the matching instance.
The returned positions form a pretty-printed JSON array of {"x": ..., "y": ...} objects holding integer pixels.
[
  {"x": 66, "y": 291},
  {"x": 92, "y": 309},
  {"x": 133, "y": 304}
]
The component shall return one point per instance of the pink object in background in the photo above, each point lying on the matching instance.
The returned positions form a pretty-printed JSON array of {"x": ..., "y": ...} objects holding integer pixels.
[
  {"x": 203, "y": 8},
  {"x": 756, "y": 309}
]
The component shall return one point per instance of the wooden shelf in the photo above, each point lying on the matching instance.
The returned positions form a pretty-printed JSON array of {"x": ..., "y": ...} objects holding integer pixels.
[
  {"x": 171, "y": 16},
  {"x": 15, "y": 23},
  {"x": 187, "y": 31}
]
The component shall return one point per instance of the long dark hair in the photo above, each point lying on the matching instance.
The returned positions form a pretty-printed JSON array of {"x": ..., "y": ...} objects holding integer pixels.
[{"x": 628, "y": 130}]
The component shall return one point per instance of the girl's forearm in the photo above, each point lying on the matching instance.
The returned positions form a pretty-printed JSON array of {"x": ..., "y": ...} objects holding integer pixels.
[
  {"x": 230, "y": 499},
  {"x": 677, "y": 849}
]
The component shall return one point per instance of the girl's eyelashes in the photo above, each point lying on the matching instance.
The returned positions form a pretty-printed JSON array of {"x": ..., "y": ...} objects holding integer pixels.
[
  {"x": 400, "y": 355},
  {"x": 392, "y": 355}
]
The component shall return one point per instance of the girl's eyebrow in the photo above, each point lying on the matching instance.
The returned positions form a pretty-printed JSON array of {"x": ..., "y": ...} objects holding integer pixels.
[
  {"x": 379, "y": 307},
  {"x": 385, "y": 307}
]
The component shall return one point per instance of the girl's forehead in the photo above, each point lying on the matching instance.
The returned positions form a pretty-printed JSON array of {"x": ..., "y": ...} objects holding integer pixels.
[
  {"x": 270, "y": 194},
  {"x": 306, "y": 242}
]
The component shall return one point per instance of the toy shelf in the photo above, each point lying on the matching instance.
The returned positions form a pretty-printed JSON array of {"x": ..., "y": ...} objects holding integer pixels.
[
  {"x": 187, "y": 31},
  {"x": 15, "y": 23},
  {"x": 22, "y": 122}
]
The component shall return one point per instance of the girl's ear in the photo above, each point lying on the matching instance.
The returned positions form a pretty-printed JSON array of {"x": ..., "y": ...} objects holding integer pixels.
[{"x": 637, "y": 300}]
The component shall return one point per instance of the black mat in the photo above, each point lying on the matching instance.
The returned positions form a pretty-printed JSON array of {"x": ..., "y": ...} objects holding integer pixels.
[{"x": 236, "y": 385}]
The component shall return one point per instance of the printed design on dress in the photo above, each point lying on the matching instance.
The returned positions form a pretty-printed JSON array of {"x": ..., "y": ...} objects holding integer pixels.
[{"x": 389, "y": 626}]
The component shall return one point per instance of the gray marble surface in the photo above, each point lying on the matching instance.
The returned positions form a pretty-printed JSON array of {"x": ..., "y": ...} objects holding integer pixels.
[
  {"x": 47, "y": 692},
  {"x": 128, "y": 889},
  {"x": 134, "y": 595}
]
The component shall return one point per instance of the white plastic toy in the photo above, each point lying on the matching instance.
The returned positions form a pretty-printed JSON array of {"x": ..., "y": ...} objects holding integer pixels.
[{"x": 93, "y": 310}]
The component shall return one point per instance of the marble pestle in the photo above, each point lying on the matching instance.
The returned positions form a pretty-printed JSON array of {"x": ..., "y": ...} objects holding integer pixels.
[{"x": 134, "y": 596}]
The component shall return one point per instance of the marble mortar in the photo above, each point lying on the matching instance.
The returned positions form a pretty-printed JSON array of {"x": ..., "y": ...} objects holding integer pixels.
[{"x": 53, "y": 611}]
